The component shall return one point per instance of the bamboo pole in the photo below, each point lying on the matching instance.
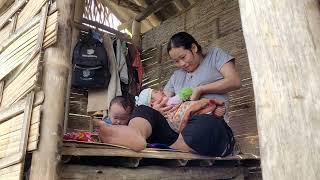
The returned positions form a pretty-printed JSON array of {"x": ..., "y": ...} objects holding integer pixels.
[
  {"x": 45, "y": 160},
  {"x": 78, "y": 12},
  {"x": 283, "y": 40}
]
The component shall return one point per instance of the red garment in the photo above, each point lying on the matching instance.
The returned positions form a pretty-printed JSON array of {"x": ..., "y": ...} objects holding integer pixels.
[
  {"x": 138, "y": 65},
  {"x": 81, "y": 136}
]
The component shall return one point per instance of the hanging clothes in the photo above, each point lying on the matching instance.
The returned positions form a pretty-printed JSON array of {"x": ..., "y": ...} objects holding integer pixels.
[
  {"x": 138, "y": 65},
  {"x": 121, "y": 51},
  {"x": 99, "y": 99}
]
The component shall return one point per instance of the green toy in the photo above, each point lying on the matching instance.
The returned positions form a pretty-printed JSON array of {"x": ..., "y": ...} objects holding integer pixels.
[{"x": 185, "y": 93}]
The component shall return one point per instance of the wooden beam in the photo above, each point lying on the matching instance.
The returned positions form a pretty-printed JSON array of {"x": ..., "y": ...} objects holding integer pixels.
[
  {"x": 152, "y": 9},
  {"x": 178, "y": 4},
  {"x": 106, "y": 28},
  {"x": 283, "y": 39},
  {"x": 125, "y": 25},
  {"x": 129, "y": 5},
  {"x": 136, "y": 33},
  {"x": 46, "y": 159},
  {"x": 154, "y": 20}
]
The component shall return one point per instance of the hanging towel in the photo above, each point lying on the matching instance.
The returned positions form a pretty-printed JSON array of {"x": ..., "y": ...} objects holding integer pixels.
[{"x": 99, "y": 99}]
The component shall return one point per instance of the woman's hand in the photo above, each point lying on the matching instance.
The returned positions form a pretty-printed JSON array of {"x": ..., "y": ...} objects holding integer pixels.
[
  {"x": 196, "y": 93},
  {"x": 162, "y": 107}
]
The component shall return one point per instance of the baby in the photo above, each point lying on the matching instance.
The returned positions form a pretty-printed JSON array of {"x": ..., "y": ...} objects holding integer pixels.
[
  {"x": 183, "y": 109},
  {"x": 119, "y": 113}
]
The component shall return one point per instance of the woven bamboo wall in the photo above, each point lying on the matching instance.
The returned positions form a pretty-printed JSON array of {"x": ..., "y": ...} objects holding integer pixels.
[
  {"x": 214, "y": 24},
  {"x": 26, "y": 29}
]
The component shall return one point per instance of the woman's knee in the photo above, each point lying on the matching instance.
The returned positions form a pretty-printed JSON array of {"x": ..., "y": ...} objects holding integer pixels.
[{"x": 142, "y": 126}]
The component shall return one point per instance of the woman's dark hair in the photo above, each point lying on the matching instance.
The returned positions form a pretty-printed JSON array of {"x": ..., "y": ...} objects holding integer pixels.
[
  {"x": 182, "y": 39},
  {"x": 125, "y": 102}
]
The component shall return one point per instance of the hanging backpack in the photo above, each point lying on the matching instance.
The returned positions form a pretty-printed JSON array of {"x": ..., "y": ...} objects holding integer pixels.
[{"x": 90, "y": 63}]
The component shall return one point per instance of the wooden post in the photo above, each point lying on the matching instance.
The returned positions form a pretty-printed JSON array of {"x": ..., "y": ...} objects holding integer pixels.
[
  {"x": 78, "y": 12},
  {"x": 46, "y": 159},
  {"x": 283, "y": 43},
  {"x": 136, "y": 30}
]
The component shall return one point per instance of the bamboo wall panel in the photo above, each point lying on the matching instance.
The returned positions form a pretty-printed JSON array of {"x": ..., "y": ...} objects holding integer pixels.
[
  {"x": 12, "y": 172},
  {"x": 213, "y": 24},
  {"x": 14, "y": 55},
  {"x": 10, "y": 133},
  {"x": 22, "y": 83},
  {"x": 26, "y": 14}
]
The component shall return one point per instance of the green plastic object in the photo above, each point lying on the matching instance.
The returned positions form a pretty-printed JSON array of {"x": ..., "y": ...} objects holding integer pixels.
[{"x": 185, "y": 93}]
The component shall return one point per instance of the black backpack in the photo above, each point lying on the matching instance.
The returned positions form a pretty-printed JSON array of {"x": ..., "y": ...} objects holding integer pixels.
[{"x": 90, "y": 63}]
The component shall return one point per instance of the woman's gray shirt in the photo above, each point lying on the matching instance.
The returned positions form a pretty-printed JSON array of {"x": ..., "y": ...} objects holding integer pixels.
[{"x": 207, "y": 72}]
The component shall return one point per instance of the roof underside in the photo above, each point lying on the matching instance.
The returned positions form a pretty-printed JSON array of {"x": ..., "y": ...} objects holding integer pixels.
[
  {"x": 151, "y": 12},
  {"x": 128, "y": 10}
]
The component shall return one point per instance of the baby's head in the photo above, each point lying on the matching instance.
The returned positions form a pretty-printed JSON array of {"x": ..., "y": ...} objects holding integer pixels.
[
  {"x": 120, "y": 110},
  {"x": 148, "y": 96}
]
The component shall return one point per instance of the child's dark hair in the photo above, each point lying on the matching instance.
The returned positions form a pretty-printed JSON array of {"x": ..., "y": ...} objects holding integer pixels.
[
  {"x": 125, "y": 102},
  {"x": 184, "y": 40}
]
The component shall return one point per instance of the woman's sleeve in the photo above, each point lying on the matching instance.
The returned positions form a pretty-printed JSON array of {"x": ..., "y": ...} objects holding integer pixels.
[
  {"x": 221, "y": 58},
  {"x": 169, "y": 86}
]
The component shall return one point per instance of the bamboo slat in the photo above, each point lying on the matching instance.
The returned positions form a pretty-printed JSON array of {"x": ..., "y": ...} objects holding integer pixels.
[
  {"x": 10, "y": 12},
  {"x": 1, "y": 90}
]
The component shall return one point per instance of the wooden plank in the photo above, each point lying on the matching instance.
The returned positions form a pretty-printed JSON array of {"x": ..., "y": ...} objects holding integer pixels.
[
  {"x": 7, "y": 15},
  {"x": 287, "y": 85},
  {"x": 18, "y": 107},
  {"x": 155, "y": 172},
  {"x": 147, "y": 153}
]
